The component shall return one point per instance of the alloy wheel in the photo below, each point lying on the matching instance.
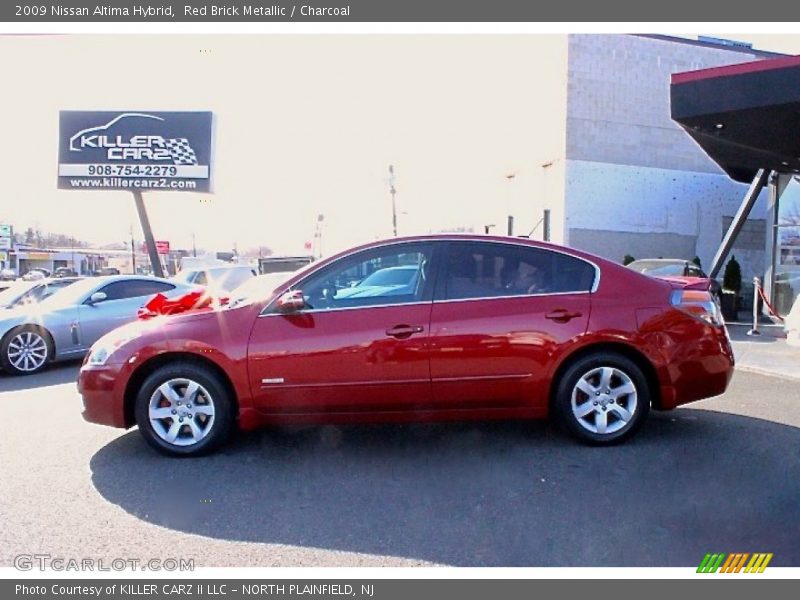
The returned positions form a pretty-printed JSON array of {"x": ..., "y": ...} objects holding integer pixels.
[
  {"x": 181, "y": 412},
  {"x": 27, "y": 351},
  {"x": 604, "y": 400}
]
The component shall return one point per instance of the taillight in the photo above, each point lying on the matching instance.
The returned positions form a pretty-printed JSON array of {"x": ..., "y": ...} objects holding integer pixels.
[{"x": 698, "y": 303}]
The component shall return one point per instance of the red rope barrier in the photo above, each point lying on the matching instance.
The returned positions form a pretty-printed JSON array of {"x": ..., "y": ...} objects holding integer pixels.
[{"x": 771, "y": 309}]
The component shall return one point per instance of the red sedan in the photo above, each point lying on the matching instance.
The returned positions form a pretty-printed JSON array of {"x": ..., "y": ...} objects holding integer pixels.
[{"x": 454, "y": 327}]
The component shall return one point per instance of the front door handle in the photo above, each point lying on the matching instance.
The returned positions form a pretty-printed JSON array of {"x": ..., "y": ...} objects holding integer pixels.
[
  {"x": 402, "y": 332},
  {"x": 562, "y": 315}
]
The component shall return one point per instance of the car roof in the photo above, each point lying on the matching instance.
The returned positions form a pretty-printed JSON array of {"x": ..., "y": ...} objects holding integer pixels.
[{"x": 470, "y": 237}]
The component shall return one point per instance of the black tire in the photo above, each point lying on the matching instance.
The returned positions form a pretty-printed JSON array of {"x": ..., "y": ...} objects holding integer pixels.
[
  {"x": 177, "y": 376},
  {"x": 40, "y": 341},
  {"x": 590, "y": 369}
]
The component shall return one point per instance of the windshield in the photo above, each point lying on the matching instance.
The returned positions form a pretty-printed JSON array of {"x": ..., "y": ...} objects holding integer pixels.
[
  {"x": 391, "y": 276},
  {"x": 184, "y": 276},
  {"x": 659, "y": 268},
  {"x": 8, "y": 296},
  {"x": 72, "y": 294},
  {"x": 258, "y": 288}
]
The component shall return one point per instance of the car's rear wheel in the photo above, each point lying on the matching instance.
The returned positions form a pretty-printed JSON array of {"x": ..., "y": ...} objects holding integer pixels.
[
  {"x": 602, "y": 398},
  {"x": 183, "y": 409},
  {"x": 25, "y": 350}
]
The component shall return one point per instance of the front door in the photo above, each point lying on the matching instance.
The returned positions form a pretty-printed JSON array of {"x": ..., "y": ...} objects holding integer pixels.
[{"x": 359, "y": 344}]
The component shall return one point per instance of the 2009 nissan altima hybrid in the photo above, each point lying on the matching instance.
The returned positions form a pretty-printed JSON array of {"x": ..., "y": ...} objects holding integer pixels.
[{"x": 483, "y": 328}]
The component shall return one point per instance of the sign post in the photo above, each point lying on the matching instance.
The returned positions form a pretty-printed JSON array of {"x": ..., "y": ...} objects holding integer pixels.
[
  {"x": 136, "y": 151},
  {"x": 149, "y": 240}
]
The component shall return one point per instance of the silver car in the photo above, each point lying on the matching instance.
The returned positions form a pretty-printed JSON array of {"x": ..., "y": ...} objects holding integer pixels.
[{"x": 66, "y": 324}]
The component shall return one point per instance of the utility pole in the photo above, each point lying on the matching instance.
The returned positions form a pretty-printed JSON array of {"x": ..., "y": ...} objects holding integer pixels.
[
  {"x": 318, "y": 236},
  {"x": 393, "y": 191},
  {"x": 133, "y": 252}
]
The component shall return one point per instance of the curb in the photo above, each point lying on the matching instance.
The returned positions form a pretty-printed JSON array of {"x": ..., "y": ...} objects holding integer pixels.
[{"x": 766, "y": 372}]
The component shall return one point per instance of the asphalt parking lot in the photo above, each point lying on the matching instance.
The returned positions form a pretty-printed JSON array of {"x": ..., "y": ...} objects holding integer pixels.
[{"x": 722, "y": 475}]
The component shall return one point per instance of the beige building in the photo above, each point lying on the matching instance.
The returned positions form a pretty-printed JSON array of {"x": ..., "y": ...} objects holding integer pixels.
[{"x": 627, "y": 179}]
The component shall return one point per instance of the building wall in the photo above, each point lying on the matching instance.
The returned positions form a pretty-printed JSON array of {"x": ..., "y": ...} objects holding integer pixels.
[
  {"x": 635, "y": 183},
  {"x": 648, "y": 212}
]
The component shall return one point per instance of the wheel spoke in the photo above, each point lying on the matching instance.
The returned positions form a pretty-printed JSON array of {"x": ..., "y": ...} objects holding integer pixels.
[
  {"x": 581, "y": 410},
  {"x": 586, "y": 387},
  {"x": 190, "y": 395},
  {"x": 623, "y": 413},
  {"x": 161, "y": 413},
  {"x": 623, "y": 390},
  {"x": 605, "y": 378},
  {"x": 601, "y": 421},
  {"x": 174, "y": 429},
  {"x": 197, "y": 433},
  {"x": 169, "y": 393},
  {"x": 204, "y": 409}
]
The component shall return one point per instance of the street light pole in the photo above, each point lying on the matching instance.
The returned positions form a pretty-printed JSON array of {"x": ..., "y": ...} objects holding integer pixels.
[{"x": 393, "y": 191}]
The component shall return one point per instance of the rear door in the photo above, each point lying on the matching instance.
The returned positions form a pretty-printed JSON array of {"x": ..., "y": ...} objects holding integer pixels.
[{"x": 501, "y": 313}]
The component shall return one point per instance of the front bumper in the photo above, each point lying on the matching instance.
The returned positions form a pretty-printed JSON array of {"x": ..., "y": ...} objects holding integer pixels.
[{"x": 103, "y": 392}]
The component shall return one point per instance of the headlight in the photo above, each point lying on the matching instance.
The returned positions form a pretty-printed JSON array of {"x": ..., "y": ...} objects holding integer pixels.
[{"x": 106, "y": 346}]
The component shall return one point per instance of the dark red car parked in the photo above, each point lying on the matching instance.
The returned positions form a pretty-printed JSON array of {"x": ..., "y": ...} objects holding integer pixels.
[{"x": 482, "y": 328}]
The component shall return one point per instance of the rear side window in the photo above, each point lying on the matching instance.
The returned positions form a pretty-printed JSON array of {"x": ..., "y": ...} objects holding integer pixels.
[{"x": 486, "y": 270}]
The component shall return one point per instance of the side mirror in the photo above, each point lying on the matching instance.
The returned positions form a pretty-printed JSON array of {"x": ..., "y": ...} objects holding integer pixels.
[
  {"x": 97, "y": 297},
  {"x": 290, "y": 301}
]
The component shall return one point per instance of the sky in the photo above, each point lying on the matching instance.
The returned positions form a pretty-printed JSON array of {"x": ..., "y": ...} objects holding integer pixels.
[{"x": 305, "y": 126}]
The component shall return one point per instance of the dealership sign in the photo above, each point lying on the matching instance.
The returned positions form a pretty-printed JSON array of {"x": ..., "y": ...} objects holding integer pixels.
[
  {"x": 162, "y": 247},
  {"x": 135, "y": 151}
]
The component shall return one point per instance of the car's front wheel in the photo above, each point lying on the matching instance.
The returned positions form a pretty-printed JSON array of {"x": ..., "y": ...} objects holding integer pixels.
[
  {"x": 602, "y": 398},
  {"x": 25, "y": 351},
  {"x": 183, "y": 409}
]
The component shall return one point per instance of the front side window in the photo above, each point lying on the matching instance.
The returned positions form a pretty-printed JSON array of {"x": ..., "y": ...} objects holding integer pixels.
[
  {"x": 392, "y": 275},
  {"x": 120, "y": 290},
  {"x": 487, "y": 270}
]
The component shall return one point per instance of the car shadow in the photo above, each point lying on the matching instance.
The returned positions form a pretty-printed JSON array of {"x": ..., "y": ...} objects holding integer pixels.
[
  {"x": 482, "y": 494},
  {"x": 56, "y": 374}
]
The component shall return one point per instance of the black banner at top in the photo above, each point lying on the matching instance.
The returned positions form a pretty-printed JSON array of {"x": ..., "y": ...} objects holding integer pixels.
[{"x": 355, "y": 11}]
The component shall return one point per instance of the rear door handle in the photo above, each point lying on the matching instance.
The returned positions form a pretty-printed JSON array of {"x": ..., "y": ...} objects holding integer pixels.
[
  {"x": 562, "y": 315},
  {"x": 404, "y": 331}
]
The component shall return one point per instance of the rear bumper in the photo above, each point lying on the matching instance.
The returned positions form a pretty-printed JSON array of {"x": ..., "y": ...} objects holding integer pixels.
[
  {"x": 697, "y": 369},
  {"x": 103, "y": 392}
]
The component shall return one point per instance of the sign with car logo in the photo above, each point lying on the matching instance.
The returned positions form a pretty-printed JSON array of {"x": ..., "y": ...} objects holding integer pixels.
[{"x": 135, "y": 151}]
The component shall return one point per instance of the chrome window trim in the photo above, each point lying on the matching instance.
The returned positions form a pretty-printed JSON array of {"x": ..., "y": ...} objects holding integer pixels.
[
  {"x": 542, "y": 295},
  {"x": 340, "y": 309},
  {"x": 435, "y": 240}
]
